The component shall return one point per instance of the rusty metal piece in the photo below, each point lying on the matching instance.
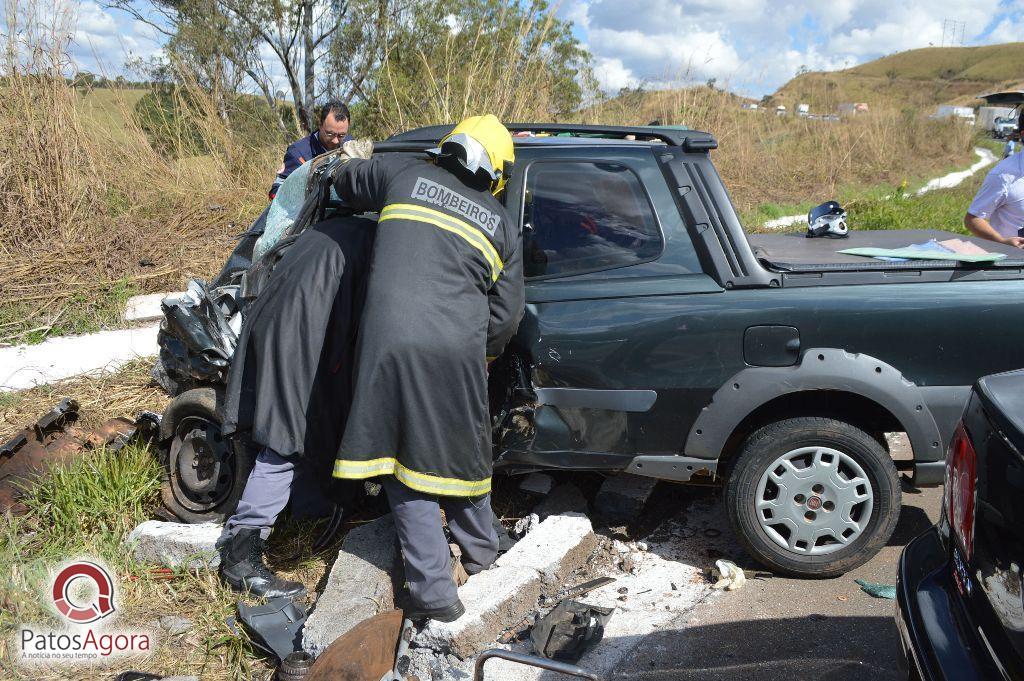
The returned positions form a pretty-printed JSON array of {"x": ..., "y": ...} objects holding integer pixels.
[
  {"x": 366, "y": 652},
  {"x": 54, "y": 439}
]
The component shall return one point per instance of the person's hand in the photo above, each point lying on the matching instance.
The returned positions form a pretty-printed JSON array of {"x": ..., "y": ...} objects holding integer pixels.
[{"x": 1015, "y": 241}]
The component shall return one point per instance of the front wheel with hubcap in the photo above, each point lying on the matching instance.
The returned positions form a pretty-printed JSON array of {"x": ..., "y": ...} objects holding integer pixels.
[{"x": 813, "y": 497}]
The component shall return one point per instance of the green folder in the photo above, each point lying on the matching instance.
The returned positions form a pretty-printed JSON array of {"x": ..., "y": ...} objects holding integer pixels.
[{"x": 921, "y": 254}]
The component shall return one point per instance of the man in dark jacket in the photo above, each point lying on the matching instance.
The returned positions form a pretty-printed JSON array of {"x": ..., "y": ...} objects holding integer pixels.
[
  {"x": 289, "y": 388},
  {"x": 330, "y": 134},
  {"x": 444, "y": 296}
]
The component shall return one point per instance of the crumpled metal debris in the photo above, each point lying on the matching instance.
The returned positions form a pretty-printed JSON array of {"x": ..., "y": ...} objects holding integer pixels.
[
  {"x": 54, "y": 438},
  {"x": 197, "y": 336},
  {"x": 569, "y": 630},
  {"x": 728, "y": 575}
]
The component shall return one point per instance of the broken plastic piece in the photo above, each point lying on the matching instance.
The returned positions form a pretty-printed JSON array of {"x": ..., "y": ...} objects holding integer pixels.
[
  {"x": 569, "y": 630},
  {"x": 729, "y": 576},
  {"x": 276, "y": 626},
  {"x": 877, "y": 590}
]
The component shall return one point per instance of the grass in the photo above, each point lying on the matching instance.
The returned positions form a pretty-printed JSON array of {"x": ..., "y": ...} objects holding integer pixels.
[
  {"x": 125, "y": 392},
  {"x": 919, "y": 78},
  {"x": 86, "y": 508}
]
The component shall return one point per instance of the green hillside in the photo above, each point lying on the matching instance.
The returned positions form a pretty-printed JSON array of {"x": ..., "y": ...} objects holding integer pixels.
[
  {"x": 919, "y": 78},
  {"x": 988, "y": 63}
]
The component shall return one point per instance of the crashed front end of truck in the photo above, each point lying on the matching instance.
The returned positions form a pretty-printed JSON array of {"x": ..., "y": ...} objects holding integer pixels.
[{"x": 205, "y": 472}]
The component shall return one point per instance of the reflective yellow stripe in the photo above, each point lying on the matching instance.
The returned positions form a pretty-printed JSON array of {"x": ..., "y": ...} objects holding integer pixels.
[
  {"x": 473, "y": 236},
  {"x": 422, "y": 482}
]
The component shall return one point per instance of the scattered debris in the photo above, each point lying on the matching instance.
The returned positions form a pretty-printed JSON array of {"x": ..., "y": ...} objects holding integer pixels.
[
  {"x": 569, "y": 630},
  {"x": 55, "y": 439},
  {"x": 729, "y": 576},
  {"x": 174, "y": 625},
  {"x": 275, "y": 626},
  {"x": 176, "y": 544},
  {"x": 537, "y": 483},
  {"x": 295, "y": 667},
  {"x": 877, "y": 590},
  {"x": 358, "y": 587},
  {"x": 499, "y": 598},
  {"x": 622, "y": 497},
  {"x": 524, "y": 525},
  {"x": 581, "y": 590}
]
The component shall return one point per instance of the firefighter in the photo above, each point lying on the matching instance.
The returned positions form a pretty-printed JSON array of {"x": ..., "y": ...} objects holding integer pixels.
[{"x": 445, "y": 294}]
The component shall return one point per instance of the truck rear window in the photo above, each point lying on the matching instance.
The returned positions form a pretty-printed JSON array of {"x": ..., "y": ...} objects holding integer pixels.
[{"x": 586, "y": 216}]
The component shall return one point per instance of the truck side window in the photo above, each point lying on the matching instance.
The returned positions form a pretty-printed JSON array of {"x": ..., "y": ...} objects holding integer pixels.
[{"x": 586, "y": 216}]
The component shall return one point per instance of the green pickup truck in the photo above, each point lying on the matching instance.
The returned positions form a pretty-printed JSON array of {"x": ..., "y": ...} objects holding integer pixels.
[{"x": 660, "y": 339}]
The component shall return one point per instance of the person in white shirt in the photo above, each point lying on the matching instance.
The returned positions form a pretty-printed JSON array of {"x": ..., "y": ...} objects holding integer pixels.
[{"x": 997, "y": 211}]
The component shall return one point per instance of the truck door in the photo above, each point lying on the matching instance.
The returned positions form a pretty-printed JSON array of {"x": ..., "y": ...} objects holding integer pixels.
[{"x": 606, "y": 260}]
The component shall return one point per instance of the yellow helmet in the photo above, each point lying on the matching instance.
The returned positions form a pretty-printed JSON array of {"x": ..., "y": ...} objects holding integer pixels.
[{"x": 481, "y": 143}]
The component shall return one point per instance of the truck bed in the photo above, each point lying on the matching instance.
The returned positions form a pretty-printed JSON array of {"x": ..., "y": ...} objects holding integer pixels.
[{"x": 795, "y": 253}]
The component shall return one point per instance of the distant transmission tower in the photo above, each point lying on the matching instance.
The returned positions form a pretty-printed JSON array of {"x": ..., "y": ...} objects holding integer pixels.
[{"x": 953, "y": 32}]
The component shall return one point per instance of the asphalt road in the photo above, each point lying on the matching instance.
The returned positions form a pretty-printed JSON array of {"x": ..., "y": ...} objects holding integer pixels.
[{"x": 781, "y": 628}]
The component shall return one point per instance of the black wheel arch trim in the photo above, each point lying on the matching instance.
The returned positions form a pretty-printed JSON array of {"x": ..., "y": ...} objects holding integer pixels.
[{"x": 820, "y": 369}]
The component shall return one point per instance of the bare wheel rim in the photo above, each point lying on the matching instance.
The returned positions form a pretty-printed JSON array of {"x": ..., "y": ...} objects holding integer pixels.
[
  {"x": 814, "y": 500},
  {"x": 201, "y": 465}
]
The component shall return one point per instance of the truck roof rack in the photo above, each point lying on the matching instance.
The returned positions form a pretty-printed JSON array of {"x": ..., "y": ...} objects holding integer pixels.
[{"x": 690, "y": 140}]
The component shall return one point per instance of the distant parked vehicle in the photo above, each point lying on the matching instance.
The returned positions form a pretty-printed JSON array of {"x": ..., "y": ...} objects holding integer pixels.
[
  {"x": 1004, "y": 127},
  {"x": 959, "y": 607},
  {"x": 962, "y": 113}
]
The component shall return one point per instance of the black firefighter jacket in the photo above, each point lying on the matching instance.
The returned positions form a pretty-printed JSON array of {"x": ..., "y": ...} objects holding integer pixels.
[
  {"x": 444, "y": 295},
  {"x": 290, "y": 381}
]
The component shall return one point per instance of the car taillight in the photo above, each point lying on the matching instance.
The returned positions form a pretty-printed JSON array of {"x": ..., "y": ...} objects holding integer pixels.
[{"x": 961, "y": 476}]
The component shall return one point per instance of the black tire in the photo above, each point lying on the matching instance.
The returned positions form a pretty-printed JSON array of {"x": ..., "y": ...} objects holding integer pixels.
[
  {"x": 204, "y": 472},
  {"x": 763, "y": 448}
]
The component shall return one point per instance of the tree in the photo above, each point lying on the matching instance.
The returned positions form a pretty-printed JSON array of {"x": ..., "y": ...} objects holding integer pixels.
[
  {"x": 228, "y": 42},
  {"x": 445, "y": 60}
]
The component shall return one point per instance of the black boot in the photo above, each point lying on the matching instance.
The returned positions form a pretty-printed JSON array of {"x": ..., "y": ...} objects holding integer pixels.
[
  {"x": 448, "y": 613},
  {"x": 243, "y": 568}
]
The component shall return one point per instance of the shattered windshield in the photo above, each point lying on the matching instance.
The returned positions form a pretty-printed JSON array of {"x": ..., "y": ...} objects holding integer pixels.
[{"x": 283, "y": 210}]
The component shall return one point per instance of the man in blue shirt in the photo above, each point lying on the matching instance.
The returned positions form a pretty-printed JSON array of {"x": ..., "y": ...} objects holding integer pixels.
[{"x": 331, "y": 133}]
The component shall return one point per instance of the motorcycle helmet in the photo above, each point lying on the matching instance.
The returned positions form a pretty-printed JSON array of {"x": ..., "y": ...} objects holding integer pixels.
[{"x": 828, "y": 219}]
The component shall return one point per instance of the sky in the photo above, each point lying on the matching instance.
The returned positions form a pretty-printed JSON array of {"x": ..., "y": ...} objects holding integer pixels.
[
  {"x": 750, "y": 46},
  {"x": 755, "y": 46}
]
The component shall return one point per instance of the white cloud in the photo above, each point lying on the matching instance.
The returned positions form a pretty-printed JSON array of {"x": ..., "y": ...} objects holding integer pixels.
[
  {"x": 1009, "y": 30},
  {"x": 612, "y": 75},
  {"x": 756, "y": 45}
]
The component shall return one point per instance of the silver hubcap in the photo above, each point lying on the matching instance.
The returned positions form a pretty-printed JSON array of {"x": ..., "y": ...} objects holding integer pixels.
[{"x": 814, "y": 500}]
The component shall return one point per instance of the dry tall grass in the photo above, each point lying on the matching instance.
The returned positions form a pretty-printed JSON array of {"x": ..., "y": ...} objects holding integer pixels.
[
  {"x": 764, "y": 158},
  {"x": 90, "y": 214}
]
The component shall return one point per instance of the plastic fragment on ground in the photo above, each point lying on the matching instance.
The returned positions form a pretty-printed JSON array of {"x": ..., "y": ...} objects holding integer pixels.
[
  {"x": 877, "y": 590},
  {"x": 730, "y": 577}
]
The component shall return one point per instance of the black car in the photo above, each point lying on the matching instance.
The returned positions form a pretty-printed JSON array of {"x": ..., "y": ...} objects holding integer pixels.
[
  {"x": 959, "y": 606},
  {"x": 660, "y": 339}
]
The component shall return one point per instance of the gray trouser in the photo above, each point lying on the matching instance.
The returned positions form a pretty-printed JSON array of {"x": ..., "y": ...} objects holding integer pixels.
[
  {"x": 428, "y": 569},
  {"x": 272, "y": 482}
]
